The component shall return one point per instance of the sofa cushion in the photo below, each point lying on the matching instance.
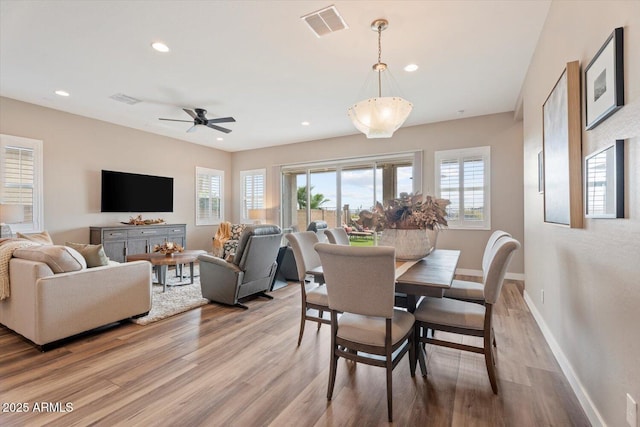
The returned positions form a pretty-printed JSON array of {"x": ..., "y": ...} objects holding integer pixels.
[
  {"x": 94, "y": 255},
  {"x": 60, "y": 259},
  {"x": 43, "y": 238}
]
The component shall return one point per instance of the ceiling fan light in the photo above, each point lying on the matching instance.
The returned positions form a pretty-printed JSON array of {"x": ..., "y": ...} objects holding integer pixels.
[{"x": 380, "y": 117}]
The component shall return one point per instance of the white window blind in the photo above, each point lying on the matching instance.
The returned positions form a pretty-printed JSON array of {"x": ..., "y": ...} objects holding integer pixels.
[
  {"x": 209, "y": 196},
  {"x": 253, "y": 191},
  {"x": 463, "y": 177},
  {"x": 21, "y": 180}
]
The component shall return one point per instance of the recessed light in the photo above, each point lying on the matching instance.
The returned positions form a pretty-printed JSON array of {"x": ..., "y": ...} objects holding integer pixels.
[
  {"x": 219, "y": 139},
  {"x": 305, "y": 123},
  {"x": 411, "y": 68},
  {"x": 460, "y": 112},
  {"x": 160, "y": 47},
  {"x": 61, "y": 93}
]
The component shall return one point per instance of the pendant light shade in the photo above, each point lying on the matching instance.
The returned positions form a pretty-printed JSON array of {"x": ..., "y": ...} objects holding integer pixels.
[{"x": 380, "y": 117}]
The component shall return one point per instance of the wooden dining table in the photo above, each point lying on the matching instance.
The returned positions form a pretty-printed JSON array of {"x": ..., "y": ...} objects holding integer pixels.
[{"x": 429, "y": 276}]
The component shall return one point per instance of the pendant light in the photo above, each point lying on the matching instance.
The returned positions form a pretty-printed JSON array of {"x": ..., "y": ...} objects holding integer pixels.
[{"x": 379, "y": 117}]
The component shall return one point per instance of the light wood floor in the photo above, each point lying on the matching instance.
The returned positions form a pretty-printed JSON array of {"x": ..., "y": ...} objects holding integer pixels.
[{"x": 221, "y": 366}]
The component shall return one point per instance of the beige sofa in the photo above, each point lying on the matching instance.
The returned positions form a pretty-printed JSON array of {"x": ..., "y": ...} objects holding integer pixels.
[{"x": 46, "y": 307}]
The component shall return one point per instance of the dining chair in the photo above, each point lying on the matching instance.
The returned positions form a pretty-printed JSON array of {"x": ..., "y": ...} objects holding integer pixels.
[
  {"x": 360, "y": 283},
  {"x": 337, "y": 236},
  {"x": 308, "y": 263},
  {"x": 465, "y": 290},
  {"x": 467, "y": 318}
]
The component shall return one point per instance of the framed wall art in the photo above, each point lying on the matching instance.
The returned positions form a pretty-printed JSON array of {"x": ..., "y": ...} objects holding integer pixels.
[
  {"x": 604, "y": 81},
  {"x": 562, "y": 150},
  {"x": 604, "y": 182}
]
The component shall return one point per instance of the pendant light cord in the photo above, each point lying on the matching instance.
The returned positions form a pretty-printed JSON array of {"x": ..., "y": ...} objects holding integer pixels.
[{"x": 379, "y": 60}]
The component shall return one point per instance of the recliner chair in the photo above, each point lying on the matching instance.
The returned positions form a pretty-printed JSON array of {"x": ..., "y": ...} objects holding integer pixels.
[
  {"x": 251, "y": 271},
  {"x": 318, "y": 227}
]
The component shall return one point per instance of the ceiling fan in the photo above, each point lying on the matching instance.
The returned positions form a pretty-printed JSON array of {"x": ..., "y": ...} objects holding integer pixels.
[{"x": 199, "y": 118}]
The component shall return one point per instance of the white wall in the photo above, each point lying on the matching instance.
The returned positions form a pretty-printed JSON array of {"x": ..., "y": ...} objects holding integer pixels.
[
  {"x": 499, "y": 131},
  {"x": 590, "y": 276},
  {"x": 77, "y": 148}
]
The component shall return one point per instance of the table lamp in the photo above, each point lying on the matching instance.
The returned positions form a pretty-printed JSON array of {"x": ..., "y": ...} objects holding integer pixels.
[
  {"x": 257, "y": 215},
  {"x": 10, "y": 214}
]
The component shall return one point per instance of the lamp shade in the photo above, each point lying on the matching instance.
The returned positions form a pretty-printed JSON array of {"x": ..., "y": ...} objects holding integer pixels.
[
  {"x": 380, "y": 117},
  {"x": 11, "y": 214},
  {"x": 256, "y": 214}
]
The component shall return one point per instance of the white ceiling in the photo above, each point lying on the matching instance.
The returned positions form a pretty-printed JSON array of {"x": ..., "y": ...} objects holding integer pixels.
[{"x": 258, "y": 62}]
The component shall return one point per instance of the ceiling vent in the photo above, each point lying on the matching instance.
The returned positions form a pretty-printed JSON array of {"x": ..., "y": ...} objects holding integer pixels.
[
  {"x": 325, "y": 21},
  {"x": 121, "y": 97}
]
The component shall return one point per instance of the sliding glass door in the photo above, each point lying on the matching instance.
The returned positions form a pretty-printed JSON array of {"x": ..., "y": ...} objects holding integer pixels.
[{"x": 343, "y": 193}]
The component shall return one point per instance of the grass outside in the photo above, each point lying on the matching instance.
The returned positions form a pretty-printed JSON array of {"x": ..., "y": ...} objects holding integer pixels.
[{"x": 361, "y": 241}]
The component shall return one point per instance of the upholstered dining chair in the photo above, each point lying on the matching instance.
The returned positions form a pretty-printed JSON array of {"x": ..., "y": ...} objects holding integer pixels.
[
  {"x": 465, "y": 290},
  {"x": 314, "y": 298},
  {"x": 360, "y": 283},
  {"x": 467, "y": 318},
  {"x": 337, "y": 236}
]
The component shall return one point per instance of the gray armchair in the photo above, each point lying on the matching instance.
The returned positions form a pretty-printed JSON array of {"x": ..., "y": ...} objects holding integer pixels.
[
  {"x": 251, "y": 271},
  {"x": 318, "y": 227}
]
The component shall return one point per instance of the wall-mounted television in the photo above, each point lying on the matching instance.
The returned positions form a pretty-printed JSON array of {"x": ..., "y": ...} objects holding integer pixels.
[{"x": 131, "y": 192}]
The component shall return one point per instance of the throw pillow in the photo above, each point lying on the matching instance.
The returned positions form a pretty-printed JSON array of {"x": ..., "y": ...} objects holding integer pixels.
[
  {"x": 236, "y": 231},
  {"x": 42, "y": 238},
  {"x": 60, "y": 259},
  {"x": 94, "y": 255}
]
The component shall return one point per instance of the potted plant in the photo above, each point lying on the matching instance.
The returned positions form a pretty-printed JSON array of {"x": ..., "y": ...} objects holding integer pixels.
[{"x": 404, "y": 223}]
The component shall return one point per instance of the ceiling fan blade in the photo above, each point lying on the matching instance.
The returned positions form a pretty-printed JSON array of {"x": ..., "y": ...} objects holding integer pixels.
[
  {"x": 189, "y": 112},
  {"x": 221, "y": 129},
  {"x": 221, "y": 120},
  {"x": 191, "y": 129},
  {"x": 174, "y": 120}
]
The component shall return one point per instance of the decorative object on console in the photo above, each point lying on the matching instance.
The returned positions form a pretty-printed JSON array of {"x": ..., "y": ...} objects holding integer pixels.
[
  {"x": 9, "y": 214},
  {"x": 168, "y": 248},
  {"x": 139, "y": 221},
  {"x": 380, "y": 116},
  {"x": 562, "y": 150},
  {"x": 405, "y": 223},
  {"x": 604, "y": 81}
]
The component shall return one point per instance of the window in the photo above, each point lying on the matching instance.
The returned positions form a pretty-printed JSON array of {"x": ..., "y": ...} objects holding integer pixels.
[
  {"x": 21, "y": 180},
  {"x": 463, "y": 177},
  {"x": 338, "y": 191},
  {"x": 209, "y": 196},
  {"x": 253, "y": 193}
]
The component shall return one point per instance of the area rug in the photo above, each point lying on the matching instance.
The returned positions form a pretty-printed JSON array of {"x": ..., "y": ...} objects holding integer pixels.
[{"x": 177, "y": 299}]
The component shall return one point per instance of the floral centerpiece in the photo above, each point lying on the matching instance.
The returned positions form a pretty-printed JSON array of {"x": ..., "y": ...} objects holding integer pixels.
[
  {"x": 411, "y": 212},
  {"x": 168, "y": 248},
  {"x": 410, "y": 223}
]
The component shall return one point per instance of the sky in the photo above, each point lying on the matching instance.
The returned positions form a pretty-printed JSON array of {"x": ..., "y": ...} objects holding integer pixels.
[{"x": 357, "y": 186}]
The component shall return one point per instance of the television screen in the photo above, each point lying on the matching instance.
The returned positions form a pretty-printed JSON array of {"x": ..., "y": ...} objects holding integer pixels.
[{"x": 130, "y": 192}]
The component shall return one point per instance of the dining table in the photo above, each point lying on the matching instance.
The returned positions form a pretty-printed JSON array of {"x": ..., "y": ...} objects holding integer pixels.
[{"x": 428, "y": 276}]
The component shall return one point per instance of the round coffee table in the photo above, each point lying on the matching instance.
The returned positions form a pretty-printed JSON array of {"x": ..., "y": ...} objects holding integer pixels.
[{"x": 161, "y": 263}]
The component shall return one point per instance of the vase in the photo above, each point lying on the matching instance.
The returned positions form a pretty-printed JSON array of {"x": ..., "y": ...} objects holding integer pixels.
[{"x": 410, "y": 244}]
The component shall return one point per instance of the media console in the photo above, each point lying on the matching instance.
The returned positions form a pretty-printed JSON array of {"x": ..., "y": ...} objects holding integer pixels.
[{"x": 120, "y": 241}]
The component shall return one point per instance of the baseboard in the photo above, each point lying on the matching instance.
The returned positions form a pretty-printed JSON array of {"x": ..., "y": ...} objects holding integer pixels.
[
  {"x": 478, "y": 273},
  {"x": 583, "y": 397}
]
